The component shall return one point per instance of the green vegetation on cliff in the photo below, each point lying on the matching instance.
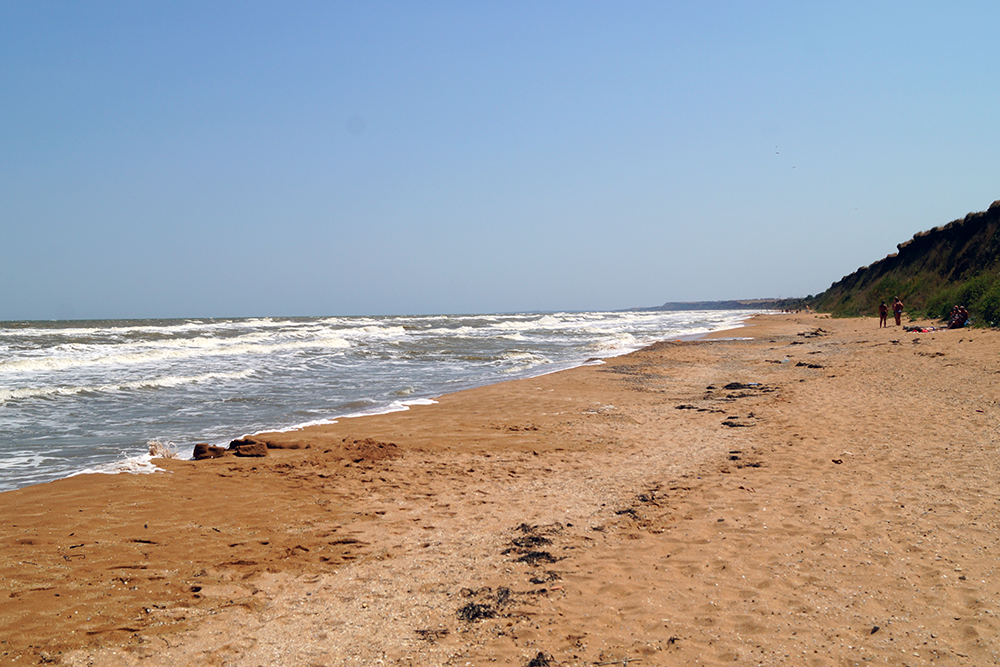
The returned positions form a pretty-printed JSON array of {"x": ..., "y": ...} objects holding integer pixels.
[{"x": 958, "y": 263}]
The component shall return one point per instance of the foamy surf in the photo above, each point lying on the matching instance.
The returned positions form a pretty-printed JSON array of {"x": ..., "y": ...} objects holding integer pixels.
[
  {"x": 395, "y": 406},
  {"x": 135, "y": 465}
]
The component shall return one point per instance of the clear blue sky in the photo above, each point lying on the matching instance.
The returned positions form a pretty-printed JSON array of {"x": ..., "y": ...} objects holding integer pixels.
[{"x": 175, "y": 159}]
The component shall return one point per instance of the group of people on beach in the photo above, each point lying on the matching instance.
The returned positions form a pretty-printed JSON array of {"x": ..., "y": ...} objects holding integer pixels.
[
  {"x": 883, "y": 312},
  {"x": 959, "y": 316}
]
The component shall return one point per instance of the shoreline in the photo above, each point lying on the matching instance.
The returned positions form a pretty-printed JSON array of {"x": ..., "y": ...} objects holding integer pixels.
[
  {"x": 407, "y": 405},
  {"x": 108, "y": 442},
  {"x": 837, "y": 502}
]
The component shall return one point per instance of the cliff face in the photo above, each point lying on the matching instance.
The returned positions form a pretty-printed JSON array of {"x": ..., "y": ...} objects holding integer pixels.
[{"x": 956, "y": 263}]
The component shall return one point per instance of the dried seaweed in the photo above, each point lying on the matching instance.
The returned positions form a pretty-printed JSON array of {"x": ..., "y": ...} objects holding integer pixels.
[
  {"x": 536, "y": 557},
  {"x": 540, "y": 660},
  {"x": 475, "y": 612}
]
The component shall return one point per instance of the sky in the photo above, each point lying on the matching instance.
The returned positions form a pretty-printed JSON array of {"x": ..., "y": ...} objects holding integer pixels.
[{"x": 225, "y": 159}]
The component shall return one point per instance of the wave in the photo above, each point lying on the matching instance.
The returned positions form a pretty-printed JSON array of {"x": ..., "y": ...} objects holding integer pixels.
[
  {"x": 394, "y": 406},
  {"x": 147, "y": 383},
  {"x": 165, "y": 351},
  {"x": 110, "y": 328},
  {"x": 24, "y": 460},
  {"x": 614, "y": 342},
  {"x": 518, "y": 361},
  {"x": 136, "y": 465},
  {"x": 374, "y": 331}
]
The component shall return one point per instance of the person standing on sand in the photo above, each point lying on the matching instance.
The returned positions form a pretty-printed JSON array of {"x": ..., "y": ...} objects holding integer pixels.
[
  {"x": 883, "y": 313},
  {"x": 897, "y": 309}
]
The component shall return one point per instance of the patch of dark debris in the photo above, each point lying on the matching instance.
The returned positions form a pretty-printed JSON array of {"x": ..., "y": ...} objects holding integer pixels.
[
  {"x": 744, "y": 389},
  {"x": 637, "y": 518},
  {"x": 490, "y": 603},
  {"x": 688, "y": 406},
  {"x": 727, "y": 394},
  {"x": 475, "y": 612},
  {"x": 732, "y": 386},
  {"x": 534, "y": 533},
  {"x": 736, "y": 456},
  {"x": 541, "y": 660},
  {"x": 816, "y": 333},
  {"x": 514, "y": 428},
  {"x": 498, "y": 610},
  {"x": 735, "y": 421},
  {"x": 533, "y": 558},
  {"x": 530, "y": 546},
  {"x": 747, "y": 389},
  {"x": 432, "y": 635},
  {"x": 649, "y": 496},
  {"x": 528, "y": 542},
  {"x": 486, "y": 603},
  {"x": 549, "y": 577}
]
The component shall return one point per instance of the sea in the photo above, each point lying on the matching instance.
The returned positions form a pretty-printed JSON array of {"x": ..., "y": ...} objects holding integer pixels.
[{"x": 95, "y": 396}]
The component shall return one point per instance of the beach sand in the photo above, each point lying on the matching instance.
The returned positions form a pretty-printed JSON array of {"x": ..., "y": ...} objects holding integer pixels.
[{"x": 822, "y": 493}]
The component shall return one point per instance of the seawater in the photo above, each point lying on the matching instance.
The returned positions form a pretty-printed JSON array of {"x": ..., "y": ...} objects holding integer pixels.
[{"x": 90, "y": 396}]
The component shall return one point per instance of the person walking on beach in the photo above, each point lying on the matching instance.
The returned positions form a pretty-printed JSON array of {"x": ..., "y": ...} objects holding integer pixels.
[
  {"x": 897, "y": 309},
  {"x": 883, "y": 313}
]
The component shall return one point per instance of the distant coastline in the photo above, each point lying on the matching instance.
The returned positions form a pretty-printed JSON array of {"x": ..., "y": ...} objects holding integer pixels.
[{"x": 733, "y": 304}]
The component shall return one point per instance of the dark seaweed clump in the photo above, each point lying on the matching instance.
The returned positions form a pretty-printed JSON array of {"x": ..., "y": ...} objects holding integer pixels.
[
  {"x": 490, "y": 606},
  {"x": 475, "y": 612},
  {"x": 540, "y": 660}
]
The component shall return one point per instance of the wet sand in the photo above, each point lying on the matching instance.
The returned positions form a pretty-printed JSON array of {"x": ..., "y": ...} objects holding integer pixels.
[{"x": 821, "y": 494}]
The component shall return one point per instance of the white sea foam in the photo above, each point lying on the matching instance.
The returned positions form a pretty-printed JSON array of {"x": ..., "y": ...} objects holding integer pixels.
[
  {"x": 146, "y": 383},
  {"x": 136, "y": 465},
  {"x": 395, "y": 406},
  {"x": 519, "y": 361},
  {"x": 514, "y": 325},
  {"x": 24, "y": 460},
  {"x": 615, "y": 342},
  {"x": 297, "y": 427},
  {"x": 163, "y": 450},
  {"x": 457, "y": 331},
  {"x": 163, "y": 351}
]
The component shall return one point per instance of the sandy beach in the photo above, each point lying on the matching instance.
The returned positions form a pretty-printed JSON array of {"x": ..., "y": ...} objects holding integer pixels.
[{"x": 801, "y": 491}]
